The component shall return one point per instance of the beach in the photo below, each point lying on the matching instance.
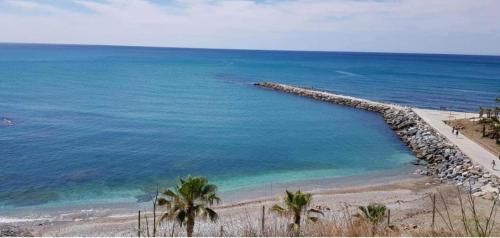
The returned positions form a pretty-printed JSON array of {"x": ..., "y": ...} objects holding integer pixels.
[
  {"x": 409, "y": 201},
  {"x": 100, "y": 219},
  {"x": 404, "y": 197}
]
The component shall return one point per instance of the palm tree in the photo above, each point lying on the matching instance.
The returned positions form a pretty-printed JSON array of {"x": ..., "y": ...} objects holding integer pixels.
[
  {"x": 296, "y": 204},
  {"x": 190, "y": 198},
  {"x": 373, "y": 212},
  {"x": 496, "y": 129}
]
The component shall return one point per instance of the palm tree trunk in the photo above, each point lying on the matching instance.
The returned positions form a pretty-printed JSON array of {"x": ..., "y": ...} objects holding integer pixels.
[
  {"x": 296, "y": 221},
  {"x": 190, "y": 226}
]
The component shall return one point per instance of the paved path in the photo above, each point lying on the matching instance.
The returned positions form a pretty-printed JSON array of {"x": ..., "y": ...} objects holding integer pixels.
[{"x": 475, "y": 152}]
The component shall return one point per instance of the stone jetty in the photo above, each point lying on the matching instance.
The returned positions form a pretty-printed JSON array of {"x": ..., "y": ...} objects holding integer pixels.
[{"x": 440, "y": 157}]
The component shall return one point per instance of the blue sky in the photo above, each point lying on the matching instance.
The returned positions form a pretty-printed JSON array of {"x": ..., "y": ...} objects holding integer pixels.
[{"x": 423, "y": 26}]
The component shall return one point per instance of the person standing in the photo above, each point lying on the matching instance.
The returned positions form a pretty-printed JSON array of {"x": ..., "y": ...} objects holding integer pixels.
[{"x": 493, "y": 164}]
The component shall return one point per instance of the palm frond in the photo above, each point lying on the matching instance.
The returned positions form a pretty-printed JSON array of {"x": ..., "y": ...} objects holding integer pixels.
[
  {"x": 312, "y": 219},
  {"x": 373, "y": 212},
  {"x": 169, "y": 193},
  {"x": 312, "y": 210},
  {"x": 279, "y": 210},
  {"x": 165, "y": 216},
  {"x": 212, "y": 214},
  {"x": 163, "y": 202}
]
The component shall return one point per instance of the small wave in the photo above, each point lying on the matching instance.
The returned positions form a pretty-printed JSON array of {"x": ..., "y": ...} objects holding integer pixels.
[
  {"x": 121, "y": 216},
  {"x": 17, "y": 220},
  {"x": 470, "y": 91},
  {"x": 348, "y": 73}
]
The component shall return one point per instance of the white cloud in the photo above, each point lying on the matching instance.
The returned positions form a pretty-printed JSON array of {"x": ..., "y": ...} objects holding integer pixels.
[
  {"x": 32, "y": 7},
  {"x": 444, "y": 26}
]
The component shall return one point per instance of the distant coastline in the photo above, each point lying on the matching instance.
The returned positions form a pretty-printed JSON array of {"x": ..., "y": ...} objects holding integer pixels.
[{"x": 251, "y": 49}]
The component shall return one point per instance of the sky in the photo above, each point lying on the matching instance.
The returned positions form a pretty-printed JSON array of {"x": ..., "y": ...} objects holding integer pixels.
[{"x": 412, "y": 26}]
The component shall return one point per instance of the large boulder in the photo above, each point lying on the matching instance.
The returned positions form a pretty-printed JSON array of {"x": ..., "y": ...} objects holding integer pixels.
[{"x": 488, "y": 188}]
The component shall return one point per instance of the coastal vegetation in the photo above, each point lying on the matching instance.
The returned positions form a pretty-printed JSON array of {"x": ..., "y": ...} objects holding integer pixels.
[
  {"x": 491, "y": 120},
  {"x": 484, "y": 130},
  {"x": 450, "y": 213},
  {"x": 373, "y": 212},
  {"x": 296, "y": 205},
  {"x": 191, "y": 198}
]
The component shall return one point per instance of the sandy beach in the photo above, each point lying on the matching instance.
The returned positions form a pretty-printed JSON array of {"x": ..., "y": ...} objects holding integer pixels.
[
  {"x": 409, "y": 201},
  {"x": 121, "y": 219}
]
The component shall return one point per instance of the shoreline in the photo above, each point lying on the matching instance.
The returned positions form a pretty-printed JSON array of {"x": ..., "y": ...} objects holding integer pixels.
[
  {"x": 319, "y": 185},
  {"x": 125, "y": 224},
  {"x": 89, "y": 211}
]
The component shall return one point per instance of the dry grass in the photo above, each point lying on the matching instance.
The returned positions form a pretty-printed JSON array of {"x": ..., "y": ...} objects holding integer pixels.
[
  {"x": 474, "y": 131},
  {"x": 455, "y": 216},
  {"x": 343, "y": 225}
]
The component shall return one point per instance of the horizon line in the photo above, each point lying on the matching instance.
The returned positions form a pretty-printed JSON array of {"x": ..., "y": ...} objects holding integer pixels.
[{"x": 245, "y": 49}]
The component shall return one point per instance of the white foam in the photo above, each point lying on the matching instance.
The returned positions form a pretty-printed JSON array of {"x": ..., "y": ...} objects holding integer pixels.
[
  {"x": 348, "y": 73},
  {"x": 16, "y": 220}
]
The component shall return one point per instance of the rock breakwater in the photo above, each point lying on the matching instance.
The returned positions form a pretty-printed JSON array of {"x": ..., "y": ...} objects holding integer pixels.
[{"x": 440, "y": 157}]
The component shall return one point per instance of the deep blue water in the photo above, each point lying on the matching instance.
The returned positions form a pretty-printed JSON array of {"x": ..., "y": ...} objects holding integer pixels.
[{"x": 98, "y": 123}]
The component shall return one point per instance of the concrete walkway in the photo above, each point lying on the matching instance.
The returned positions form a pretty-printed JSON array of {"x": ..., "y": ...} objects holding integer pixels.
[{"x": 475, "y": 152}]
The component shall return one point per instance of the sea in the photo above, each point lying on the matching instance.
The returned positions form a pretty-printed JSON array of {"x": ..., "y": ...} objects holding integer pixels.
[{"x": 82, "y": 125}]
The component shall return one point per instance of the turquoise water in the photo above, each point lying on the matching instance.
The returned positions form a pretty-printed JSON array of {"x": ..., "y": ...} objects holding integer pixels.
[{"x": 105, "y": 124}]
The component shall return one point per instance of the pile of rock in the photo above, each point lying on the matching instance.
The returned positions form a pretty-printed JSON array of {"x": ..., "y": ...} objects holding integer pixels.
[
  {"x": 442, "y": 158},
  {"x": 11, "y": 230},
  {"x": 328, "y": 97}
]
